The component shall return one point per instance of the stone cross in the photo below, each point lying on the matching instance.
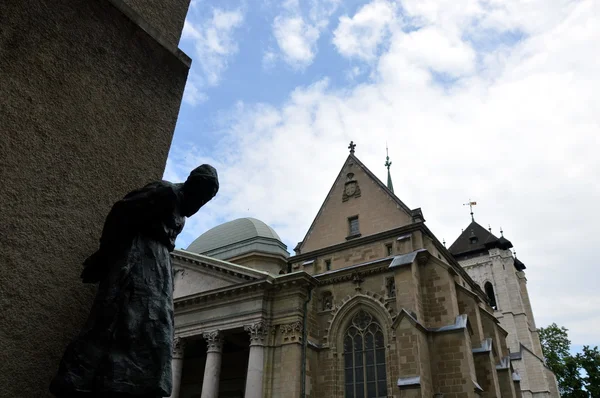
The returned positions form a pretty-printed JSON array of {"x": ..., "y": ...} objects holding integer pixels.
[{"x": 352, "y": 146}]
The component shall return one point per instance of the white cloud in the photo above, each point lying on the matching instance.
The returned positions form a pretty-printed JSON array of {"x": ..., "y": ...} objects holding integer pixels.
[
  {"x": 296, "y": 39},
  {"x": 361, "y": 35},
  {"x": 520, "y": 136},
  {"x": 214, "y": 45},
  {"x": 297, "y": 34},
  {"x": 192, "y": 95}
]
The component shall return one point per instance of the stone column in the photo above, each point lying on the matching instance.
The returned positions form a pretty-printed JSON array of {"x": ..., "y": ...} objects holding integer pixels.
[
  {"x": 177, "y": 365},
  {"x": 212, "y": 369},
  {"x": 254, "y": 379}
]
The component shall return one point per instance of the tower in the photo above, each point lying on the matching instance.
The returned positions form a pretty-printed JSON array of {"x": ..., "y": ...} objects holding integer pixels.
[{"x": 490, "y": 262}]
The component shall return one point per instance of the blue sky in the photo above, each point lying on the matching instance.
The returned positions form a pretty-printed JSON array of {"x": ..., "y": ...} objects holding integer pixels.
[{"x": 490, "y": 100}]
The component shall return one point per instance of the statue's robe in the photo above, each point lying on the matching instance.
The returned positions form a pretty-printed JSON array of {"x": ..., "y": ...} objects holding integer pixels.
[{"x": 125, "y": 347}]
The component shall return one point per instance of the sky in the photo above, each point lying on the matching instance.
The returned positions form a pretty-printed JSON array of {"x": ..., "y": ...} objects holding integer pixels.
[{"x": 494, "y": 101}]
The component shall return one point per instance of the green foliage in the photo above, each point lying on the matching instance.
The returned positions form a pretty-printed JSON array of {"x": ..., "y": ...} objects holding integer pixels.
[
  {"x": 589, "y": 360},
  {"x": 578, "y": 376}
]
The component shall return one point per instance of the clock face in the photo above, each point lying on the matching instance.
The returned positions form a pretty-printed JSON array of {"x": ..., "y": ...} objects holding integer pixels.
[{"x": 350, "y": 189}]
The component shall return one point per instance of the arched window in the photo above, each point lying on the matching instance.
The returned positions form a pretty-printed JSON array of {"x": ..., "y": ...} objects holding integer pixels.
[
  {"x": 364, "y": 358},
  {"x": 489, "y": 290}
]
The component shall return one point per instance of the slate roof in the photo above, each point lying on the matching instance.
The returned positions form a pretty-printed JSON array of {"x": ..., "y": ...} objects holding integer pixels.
[{"x": 473, "y": 239}]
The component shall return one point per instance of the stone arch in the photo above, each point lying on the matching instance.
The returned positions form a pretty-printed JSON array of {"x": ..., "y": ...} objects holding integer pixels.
[
  {"x": 341, "y": 319},
  {"x": 342, "y": 315},
  {"x": 490, "y": 292}
]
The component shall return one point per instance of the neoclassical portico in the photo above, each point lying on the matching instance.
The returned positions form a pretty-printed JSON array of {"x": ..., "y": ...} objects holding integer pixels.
[{"x": 227, "y": 316}]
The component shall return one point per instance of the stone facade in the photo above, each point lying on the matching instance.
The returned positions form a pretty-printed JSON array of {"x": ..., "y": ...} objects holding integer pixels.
[
  {"x": 90, "y": 93},
  {"x": 498, "y": 267},
  {"x": 384, "y": 311}
]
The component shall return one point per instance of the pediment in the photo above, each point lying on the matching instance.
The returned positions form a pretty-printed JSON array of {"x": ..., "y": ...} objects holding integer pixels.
[{"x": 195, "y": 274}]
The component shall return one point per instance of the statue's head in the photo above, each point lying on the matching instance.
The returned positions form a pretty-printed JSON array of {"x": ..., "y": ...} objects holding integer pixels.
[{"x": 201, "y": 186}]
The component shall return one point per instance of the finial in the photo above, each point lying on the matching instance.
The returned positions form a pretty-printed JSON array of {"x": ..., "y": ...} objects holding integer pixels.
[
  {"x": 501, "y": 232},
  {"x": 444, "y": 242},
  {"x": 351, "y": 147},
  {"x": 471, "y": 204},
  {"x": 387, "y": 158},
  {"x": 390, "y": 185},
  {"x": 490, "y": 228},
  {"x": 515, "y": 253}
]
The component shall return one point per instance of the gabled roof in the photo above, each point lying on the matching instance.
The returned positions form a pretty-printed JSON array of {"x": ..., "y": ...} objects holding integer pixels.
[
  {"x": 381, "y": 184},
  {"x": 378, "y": 182},
  {"x": 473, "y": 239}
]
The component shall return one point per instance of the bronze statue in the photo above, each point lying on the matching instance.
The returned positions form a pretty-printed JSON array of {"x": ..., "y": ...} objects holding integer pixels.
[{"x": 125, "y": 347}]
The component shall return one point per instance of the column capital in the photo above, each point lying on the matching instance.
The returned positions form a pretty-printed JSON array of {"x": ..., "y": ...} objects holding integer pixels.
[
  {"x": 258, "y": 332},
  {"x": 291, "y": 332},
  {"x": 178, "y": 347},
  {"x": 214, "y": 339}
]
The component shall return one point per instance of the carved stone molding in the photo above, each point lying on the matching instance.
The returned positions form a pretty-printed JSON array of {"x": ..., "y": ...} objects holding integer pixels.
[
  {"x": 178, "y": 348},
  {"x": 258, "y": 332},
  {"x": 291, "y": 332},
  {"x": 214, "y": 340}
]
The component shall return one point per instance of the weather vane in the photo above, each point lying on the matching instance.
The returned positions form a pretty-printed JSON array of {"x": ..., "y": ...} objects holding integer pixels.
[{"x": 471, "y": 204}]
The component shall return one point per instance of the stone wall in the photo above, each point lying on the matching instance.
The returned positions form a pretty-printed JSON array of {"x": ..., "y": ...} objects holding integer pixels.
[{"x": 88, "y": 107}]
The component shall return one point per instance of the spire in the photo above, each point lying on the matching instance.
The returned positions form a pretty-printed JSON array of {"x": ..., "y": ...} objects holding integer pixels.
[
  {"x": 388, "y": 164},
  {"x": 471, "y": 204},
  {"x": 351, "y": 147}
]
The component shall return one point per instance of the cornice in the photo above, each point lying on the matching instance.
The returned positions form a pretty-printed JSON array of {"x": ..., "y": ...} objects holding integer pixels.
[
  {"x": 151, "y": 31},
  {"x": 220, "y": 266},
  {"x": 222, "y": 293},
  {"x": 363, "y": 240},
  {"x": 296, "y": 279},
  {"x": 348, "y": 273}
]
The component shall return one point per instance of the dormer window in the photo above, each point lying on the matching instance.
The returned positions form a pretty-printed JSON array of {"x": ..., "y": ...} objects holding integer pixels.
[{"x": 473, "y": 239}]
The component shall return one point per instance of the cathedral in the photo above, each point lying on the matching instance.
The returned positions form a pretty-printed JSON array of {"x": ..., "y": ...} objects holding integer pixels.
[{"x": 371, "y": 304}]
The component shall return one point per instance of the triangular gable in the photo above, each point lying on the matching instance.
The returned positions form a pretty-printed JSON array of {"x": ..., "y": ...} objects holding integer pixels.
[
  {"x": 355, "y": 192},
  {"x": 194, "y": 273}
]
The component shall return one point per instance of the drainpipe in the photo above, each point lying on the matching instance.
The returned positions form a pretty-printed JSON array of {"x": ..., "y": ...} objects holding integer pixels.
[{"x": 305, "y": 343}]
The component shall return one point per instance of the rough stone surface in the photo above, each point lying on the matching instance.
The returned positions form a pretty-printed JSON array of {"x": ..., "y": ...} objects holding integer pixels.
[
  {"x": 88, "y": 108},
  {"x": 165, "y": 16}
]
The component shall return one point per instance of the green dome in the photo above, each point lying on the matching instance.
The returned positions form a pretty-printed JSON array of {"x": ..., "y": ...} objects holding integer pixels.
[{"x": 238, "y": 237}]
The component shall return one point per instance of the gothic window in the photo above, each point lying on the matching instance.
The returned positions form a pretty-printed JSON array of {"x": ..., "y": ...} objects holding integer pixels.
[
  {"x": 489, "y": 290},
  {"x": 364, "y": 358}
]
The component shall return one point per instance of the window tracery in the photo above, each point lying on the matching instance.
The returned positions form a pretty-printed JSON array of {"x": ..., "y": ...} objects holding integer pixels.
[{"x": 364, "y": 358}]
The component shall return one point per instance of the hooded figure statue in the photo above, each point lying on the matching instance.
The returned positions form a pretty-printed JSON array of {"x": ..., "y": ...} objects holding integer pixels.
[{"x": 125, "y": 347}]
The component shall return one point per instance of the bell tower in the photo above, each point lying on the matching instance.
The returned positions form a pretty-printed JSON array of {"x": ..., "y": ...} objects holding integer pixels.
[{"x": 491, "y": 263}]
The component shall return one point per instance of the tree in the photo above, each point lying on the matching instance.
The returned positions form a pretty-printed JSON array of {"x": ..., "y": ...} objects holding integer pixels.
[
  {"x": 589, "y": 360},
  {"x": 555, "y": 346}
]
